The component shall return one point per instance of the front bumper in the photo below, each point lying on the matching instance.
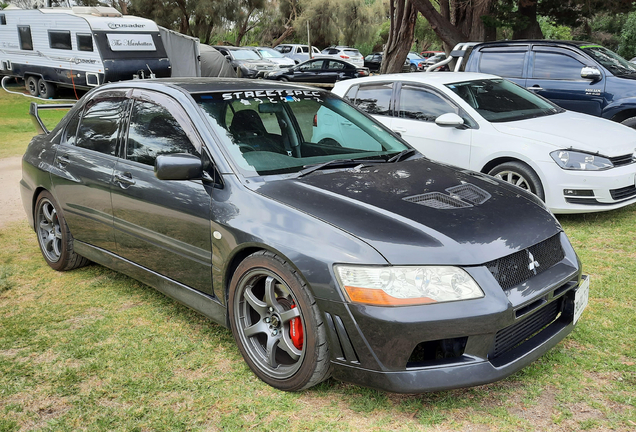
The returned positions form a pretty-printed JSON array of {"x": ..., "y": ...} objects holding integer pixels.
[
  {"x": 569, "y": 191},
  {"x": 443, "y": 346}
]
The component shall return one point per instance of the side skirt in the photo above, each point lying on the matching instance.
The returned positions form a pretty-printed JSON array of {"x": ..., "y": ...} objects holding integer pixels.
[{"x": 196, "y": 300}]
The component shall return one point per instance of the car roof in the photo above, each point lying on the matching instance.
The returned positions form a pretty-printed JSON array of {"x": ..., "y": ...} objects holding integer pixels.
[
  {"x": 208, "y": 85},
  {"x": 433, "y": 78},
  {"x": 536, "y": 42}
]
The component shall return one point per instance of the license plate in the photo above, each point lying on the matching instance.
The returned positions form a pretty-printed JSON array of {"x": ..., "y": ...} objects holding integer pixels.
[{"x": 581, "y": 297}]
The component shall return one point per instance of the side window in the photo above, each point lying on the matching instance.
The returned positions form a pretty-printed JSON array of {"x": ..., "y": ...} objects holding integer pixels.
[
  {"x": 153, "y": 131},
  {"x": 24, "y": 33},
  {"x": 351, "y": 94},
  {"x": 420, "y": 104},
  {"x": 99, "y": 127},
  {"x": 506, "y": 64},
  {"x": 70, "y": 131},
  {"x": 556, "y": 66},
  {"x": 314, "y": 65},
  {"x": 85, "y": 42},
  {"x": 299, "y": 50},
  {"x": 375, "y": 98},
  {"x": 3, "y": 19},
  {"x": 336, "y": 65},
  {"x": 60, "y": 39}
]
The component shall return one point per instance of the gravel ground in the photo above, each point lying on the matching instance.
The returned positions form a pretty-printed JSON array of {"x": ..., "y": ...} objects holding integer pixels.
[{"x": 11, "y": 209}]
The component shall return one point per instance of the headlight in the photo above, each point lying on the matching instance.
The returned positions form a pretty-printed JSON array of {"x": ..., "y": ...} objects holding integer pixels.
[
  {"x": 573, "y": 160},
  {"x": 407, "y": 285}
]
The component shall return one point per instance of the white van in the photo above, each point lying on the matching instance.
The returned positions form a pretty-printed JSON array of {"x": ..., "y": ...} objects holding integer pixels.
[
  {"x": 298, "y": 53},
  {"x": 80, "y": 47}
]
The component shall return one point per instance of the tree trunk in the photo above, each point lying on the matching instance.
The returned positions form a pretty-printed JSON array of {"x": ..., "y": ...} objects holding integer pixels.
[
  {"x": 287, "y": 33},
  {"x": 531, "y": 29},
  {"x": 442, "y": 27},
  {"x": 401, "y": 33}
]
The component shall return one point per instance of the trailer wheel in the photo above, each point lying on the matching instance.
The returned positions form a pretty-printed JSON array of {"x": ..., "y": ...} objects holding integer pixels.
[
  {"x": 31, "y": 85},
  {"x": 47, "y": 90}
]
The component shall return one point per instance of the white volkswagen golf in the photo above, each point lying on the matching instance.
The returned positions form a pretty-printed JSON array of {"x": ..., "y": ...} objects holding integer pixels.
[{"x": 576, "y": 163}]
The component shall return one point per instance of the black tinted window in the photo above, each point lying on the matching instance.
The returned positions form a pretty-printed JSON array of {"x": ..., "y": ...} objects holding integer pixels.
[
  {"x": 375, "y": 99},
  {"x": 100, "y": 124},
  {"x": 351, "y": 94},
  {"x": 24, "y": 33},
  {"x": 71, "y": 129},
  {"x": 84, "y": 42},
  {"x": 154, "y": 131},
  {"x": 312, "y": 65},
  {"x": 60, "y": 40},
  {"x": 334, "y": 65},
  {"x": 3, "y": 19},
  {"x": 506, "y": 64},
  {"x": 556, "y": 66},
  {"x": 420, "y": 104}
]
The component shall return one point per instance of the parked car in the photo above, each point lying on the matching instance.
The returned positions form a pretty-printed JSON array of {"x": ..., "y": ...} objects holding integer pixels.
[
  {"x": 374, "y": 60},
  {"x": 427, "y": 54},
  {"x": 579, "y": 76},
  {"x": 319, "y": 71},
  {"x": 361, "y": 260},
  {"x": 416, "y": 63},
  {"x": 351, "y": 55},
  {"x": 274, "y": 56},
  {"x": 246, "y": 62},
  {"x": 298, "y": 53},
  {"x": 436, "y": 59},
  {"x": 574, "y": 162}
]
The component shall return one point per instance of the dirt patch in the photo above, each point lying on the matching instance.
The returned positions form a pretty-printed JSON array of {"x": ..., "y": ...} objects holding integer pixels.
[{"x": 11, "y": 209}]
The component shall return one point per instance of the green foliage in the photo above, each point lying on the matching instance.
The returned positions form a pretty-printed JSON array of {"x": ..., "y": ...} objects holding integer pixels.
[
  {"x": 425, "y": 36},
  {"x": 553, "y": 31},
  {"x": 627, "y": 46}
]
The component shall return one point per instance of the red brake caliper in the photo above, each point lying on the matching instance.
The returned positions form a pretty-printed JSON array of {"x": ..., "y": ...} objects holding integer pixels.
[{"x": 296, "y": 331}]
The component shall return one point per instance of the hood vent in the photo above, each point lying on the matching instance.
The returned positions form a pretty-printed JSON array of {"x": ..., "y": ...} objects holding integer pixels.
[
  {"x": 461, "y": 196},
  {"x": 469, "y": 192}
]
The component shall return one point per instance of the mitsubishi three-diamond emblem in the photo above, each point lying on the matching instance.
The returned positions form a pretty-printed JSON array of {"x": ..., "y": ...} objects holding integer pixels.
[{"x": 533, "y": 263}]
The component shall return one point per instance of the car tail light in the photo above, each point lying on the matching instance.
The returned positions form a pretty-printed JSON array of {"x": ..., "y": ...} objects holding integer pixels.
[
  {"x": 316, "y": 120},
  {"x": 344, "y": 56},
  {"x": 363, "y": 73}
]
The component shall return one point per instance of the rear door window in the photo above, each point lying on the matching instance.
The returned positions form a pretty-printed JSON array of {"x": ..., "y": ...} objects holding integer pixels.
[
  {"x": 503, "y": 63},
  {"x": 99, "y": 128},
  {"x": 375, "y": 98}
]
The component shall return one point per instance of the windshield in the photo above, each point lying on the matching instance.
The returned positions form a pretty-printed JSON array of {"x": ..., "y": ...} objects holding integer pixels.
[
  {"x": 499, "y": 100},
  {"x": 611, "y": 61},
  {"x": 245, "y": 54},
  {"x": 270, "y": 53},
  {"x": 352, "y": 53},
  {"x": 282, "y": 131},
  {"x": 413, "y": 56}
]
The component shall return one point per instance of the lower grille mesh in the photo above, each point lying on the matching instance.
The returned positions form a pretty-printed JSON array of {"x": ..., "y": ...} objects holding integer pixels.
[
  {"x": 512, "y": 336},
  {"x": 622, "y": 193}
]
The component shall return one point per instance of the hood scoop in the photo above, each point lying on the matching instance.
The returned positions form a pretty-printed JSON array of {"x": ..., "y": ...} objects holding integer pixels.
[{"x": 460, "y": 196}]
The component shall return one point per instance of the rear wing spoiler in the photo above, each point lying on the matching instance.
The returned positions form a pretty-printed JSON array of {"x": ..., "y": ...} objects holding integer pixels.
[
  {"x": 35, "y": 115},
  {"x": 460, "y": 52}
]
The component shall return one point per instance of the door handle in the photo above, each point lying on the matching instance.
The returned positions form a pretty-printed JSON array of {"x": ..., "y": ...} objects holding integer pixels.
[
  {"x": 124, "y": 179},
  {"x": 62, "y": 160},
  {"x": 399, "y": 129},
  {"x": 535, "y": 88}
]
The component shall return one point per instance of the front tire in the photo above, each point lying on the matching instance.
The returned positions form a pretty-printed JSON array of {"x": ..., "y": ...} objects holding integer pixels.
[
  {"x": 276, "y": 324},
  {"x": 630, "y": 122},
  {"x": 413, "y": 68},
  {"x": 519, "y": 174},
  {"x": 54, "y": 237}
]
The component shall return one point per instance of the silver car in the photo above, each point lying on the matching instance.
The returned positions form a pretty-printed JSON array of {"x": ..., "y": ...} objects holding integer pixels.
[
  {"x": 351, "y": 55},
  {"x": 299, "y": 53}
]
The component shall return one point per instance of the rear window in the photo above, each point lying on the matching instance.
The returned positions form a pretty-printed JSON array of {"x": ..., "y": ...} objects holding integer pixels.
[
  {"x": 353, "y": 53},
  {"x": 506, "y": 64}
]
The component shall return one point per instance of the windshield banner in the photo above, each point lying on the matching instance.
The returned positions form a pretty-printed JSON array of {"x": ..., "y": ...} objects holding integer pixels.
[{"x": 130, "y": 42}]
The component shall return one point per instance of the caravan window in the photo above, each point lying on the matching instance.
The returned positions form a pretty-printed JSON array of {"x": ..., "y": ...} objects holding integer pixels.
[
  {"x": 85, "y": 42},
  {"x": 3, "y": 19},
  {"x": 24, "y": 33},
  {"x": 60, "y": 39}
]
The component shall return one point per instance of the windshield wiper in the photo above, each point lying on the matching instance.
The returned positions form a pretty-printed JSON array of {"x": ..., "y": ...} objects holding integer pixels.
[
  {"x": 337, "y": 162},
  {"x": 404, "y": 153}
]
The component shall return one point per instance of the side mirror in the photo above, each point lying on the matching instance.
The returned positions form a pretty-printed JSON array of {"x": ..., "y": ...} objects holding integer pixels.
[
  {"x": 591, "y": 72},
  {"x": 450, "y": 120},
  {"x": 178, "y": 166},
  {"x": 228, "y": 58}
]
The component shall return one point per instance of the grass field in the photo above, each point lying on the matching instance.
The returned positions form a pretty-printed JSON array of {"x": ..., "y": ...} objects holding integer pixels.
[{"x": 94, "y": 350}]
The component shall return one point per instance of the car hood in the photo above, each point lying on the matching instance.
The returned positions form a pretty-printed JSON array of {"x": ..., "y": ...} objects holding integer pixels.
[
  {"x": 369, "y": 204},
  {"x": 575, "y": 130},
  {"x": 256, "y": 63}
]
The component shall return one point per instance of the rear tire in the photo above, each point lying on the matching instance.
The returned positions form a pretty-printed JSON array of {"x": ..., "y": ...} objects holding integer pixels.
[
  {"x": 269, "y": 307},
  {"x": 31, "y": 85},
  {"x": 519, "y": 174},
  {"x": 54, "y": 237},
  {"x": 630, "y": 122},
  {"x": 283, "y": 79},
  {"x": 46, "y": 89}
]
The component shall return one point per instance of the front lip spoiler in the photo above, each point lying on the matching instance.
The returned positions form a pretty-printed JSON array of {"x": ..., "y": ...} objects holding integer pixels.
[{"x": 459, "y": 375}]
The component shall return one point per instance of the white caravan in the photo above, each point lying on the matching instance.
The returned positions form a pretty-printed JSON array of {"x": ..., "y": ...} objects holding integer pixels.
[{"x": 80, "y": 47}]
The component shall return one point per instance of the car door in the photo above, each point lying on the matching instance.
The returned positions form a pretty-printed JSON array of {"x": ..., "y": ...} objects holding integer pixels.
[
  {"x": 84, "y": 162},
  {"x": 159, "y": 224},
  {"x": 416, "y": 109},
  {"x": 334, "y": 71},
  {"x": 507, "y": 62},
  {"x": 555, "y": 73}
]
